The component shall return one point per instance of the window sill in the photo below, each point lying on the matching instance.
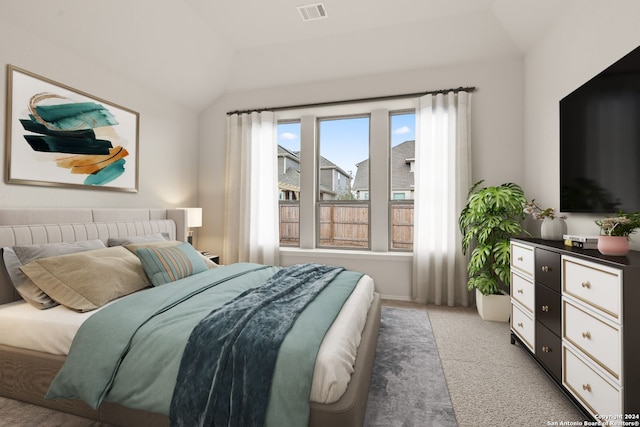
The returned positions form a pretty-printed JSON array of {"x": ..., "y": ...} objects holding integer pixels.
[{"x": 346, "y": 253}]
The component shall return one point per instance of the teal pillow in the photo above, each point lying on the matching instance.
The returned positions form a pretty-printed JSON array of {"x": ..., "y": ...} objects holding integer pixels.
[{"x": 169, "y": 263}]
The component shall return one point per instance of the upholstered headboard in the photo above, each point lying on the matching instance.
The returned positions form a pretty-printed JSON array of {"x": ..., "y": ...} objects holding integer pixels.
[{"x": 54, "y": 225}]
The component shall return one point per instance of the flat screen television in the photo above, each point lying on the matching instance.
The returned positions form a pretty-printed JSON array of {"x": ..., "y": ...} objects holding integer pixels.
[{"x": 600, "y": 141}]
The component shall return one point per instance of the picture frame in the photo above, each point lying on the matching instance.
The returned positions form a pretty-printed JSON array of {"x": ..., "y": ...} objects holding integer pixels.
[{"x": 62, "y": 137}]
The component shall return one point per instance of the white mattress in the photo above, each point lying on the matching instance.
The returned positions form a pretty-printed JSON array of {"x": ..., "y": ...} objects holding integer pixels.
[{"x": 52, "y": 331}]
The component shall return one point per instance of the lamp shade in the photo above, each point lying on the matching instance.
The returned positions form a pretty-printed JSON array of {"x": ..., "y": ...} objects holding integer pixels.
[{"x": 194, "y": 217}]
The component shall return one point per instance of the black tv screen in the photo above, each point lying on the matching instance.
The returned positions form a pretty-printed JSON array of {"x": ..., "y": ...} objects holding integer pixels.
[{"x": 600, "y": 141}]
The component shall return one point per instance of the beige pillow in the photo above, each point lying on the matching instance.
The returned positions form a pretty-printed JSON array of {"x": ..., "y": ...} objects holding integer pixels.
[
  {"x": 17, "y": 256},
  {"x": 87, "y": 280}
]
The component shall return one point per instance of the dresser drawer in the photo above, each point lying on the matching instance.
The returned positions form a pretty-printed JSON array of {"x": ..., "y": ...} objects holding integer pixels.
[
  {"x": 599, "y": 340},
  {"x": 595, "y": 284},
  {"x": 549, "y": 350},
  {"x": 590, "y": 387},
  {"x": 522, "y": 258},
  {"x": 523, "y": 291},
  {"x": 547, "y": 269},
  {"x": 549, "y": 309},
  {"x": 523, "y": 326}
]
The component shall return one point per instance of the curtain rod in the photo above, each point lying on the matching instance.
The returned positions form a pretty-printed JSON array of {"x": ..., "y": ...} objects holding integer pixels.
[{"x": 353, "y": 101}]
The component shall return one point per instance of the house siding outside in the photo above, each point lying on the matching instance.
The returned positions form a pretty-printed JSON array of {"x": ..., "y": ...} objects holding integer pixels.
[
  {"x": 335, "y": 183},
  {"x": 402, "y": 176}
]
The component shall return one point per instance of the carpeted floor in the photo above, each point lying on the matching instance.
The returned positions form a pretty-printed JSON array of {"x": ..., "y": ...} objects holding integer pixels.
[{"x": 492, "y": 382}]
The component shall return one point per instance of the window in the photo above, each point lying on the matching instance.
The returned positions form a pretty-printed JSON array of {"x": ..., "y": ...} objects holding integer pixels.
[
  {"x": 343, "y": 219},
  {"x": 289, "y": 182},
  {"x": 354, "y": 173},
  {"x": 403, "y": 149},
  {"x": 402, "y": 141}
]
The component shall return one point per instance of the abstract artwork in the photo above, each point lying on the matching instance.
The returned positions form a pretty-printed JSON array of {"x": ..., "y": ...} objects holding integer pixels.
[{"x": 58, "y": 136}]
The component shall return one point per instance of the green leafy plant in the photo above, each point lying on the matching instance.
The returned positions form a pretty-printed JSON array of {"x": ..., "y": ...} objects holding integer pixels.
[
  {"x": 623, "y": 224},
  {"x": 491, "y": 217}
]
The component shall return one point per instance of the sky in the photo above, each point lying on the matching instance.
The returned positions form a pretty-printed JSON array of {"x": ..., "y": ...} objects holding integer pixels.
[{"x": 345, "y": 141}]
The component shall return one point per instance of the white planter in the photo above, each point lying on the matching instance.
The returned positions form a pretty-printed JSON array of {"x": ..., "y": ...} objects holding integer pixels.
[
  {"x": 493, "y": 307},
  {"x": 553, "y": 229}
]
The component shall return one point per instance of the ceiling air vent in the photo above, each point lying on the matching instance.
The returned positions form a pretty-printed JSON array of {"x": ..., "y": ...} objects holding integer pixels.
[{"x": 312, "y": 12}]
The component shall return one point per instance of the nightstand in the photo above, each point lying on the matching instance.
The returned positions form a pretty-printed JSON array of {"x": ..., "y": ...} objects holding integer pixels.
[{"x": 214, "y": 258}]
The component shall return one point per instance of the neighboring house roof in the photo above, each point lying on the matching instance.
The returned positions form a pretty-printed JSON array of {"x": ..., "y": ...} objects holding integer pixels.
[
  {"x": 290, "y": 180},
  {"x": 402, "y": 178},
  {"x": 285, "y": 152},
  {"x": 401, "y": 156},
  {"x": 361, "y": 181}
]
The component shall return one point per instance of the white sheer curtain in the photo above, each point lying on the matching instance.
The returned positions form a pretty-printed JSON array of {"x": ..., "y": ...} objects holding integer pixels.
[
  {"x": 442, "y": 181},
  {"x": 251, "y": 191}
]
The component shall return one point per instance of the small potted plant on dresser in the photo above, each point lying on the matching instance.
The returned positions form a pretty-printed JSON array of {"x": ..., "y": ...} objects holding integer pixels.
[
  {"x": 490, "y": 218},
  {"x": 615, "y": 233}
]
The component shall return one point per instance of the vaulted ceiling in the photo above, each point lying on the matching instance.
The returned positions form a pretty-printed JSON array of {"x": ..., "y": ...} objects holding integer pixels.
[{"x": 193, "y": 51}]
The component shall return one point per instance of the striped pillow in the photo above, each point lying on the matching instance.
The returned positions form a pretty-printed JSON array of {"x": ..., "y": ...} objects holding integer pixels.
[{"x": 170, "y": 263}]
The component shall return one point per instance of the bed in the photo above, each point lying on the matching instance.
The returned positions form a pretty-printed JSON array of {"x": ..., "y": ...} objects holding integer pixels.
[{"x": 27, "y": 373}]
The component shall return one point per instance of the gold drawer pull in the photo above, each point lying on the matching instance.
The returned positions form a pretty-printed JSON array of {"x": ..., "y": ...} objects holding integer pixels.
[
  {"x": 546, "y": 349},
  {"x": 520, "y": 324},
  {"x": 520, "y": 258},
  {"x": 586, "y": 285},
  {"x": 545, "y": 269},
  {"x": 545, "y": 308},
  {"x": 586, "y": 387},
  {"x": 520, "y": 291},
  {"x": 586, "y": 335}
]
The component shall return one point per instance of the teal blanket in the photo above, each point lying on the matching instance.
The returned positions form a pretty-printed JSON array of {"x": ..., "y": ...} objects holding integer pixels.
[
  {"x": 130, "y": 351},
  {"x": 226, "y": 369}
]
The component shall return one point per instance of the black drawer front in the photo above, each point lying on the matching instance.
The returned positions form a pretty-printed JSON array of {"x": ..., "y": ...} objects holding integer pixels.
[
  {"x": 548, "y": 350},
  {"x": 548, "y": 268},
  {"x": 548, "y": 308}
]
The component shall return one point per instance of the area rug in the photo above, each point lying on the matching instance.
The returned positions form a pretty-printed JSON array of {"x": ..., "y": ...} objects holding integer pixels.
[{"x": 408, "y": 387}]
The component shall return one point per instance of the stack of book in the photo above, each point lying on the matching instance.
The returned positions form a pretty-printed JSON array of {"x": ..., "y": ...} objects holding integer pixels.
[{"x": 582, "y": 242}]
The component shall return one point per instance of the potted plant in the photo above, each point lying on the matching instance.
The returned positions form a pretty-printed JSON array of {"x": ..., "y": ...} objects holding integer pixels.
[
  {"x": 550, "y": 229},
  {"x": 615, "y": 232},
  {"x": 490, "y": 218}
]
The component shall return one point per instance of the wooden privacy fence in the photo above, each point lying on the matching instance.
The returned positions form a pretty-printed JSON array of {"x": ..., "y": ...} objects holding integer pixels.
[
  {"x": 402, "y": 226},
  {"x": 346, "y": 225},
  {"x": 289, "y": 224}
]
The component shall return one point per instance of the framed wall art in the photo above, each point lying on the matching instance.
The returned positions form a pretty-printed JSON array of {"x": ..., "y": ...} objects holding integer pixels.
[{"x": 59, "y": 136}]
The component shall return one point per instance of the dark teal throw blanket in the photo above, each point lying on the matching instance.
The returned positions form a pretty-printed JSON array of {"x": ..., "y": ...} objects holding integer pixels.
[{"x": 227, "y": 366}]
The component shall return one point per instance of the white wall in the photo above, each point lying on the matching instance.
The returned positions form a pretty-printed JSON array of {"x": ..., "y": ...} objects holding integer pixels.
[
  {"x": 592, "y": 36},
  {"x": 167, "y": 141},
  {"x": 497, "y": 139}
]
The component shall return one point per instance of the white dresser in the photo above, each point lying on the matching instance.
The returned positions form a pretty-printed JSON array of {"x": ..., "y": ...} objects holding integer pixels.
[{"x": 578, "y": 313}]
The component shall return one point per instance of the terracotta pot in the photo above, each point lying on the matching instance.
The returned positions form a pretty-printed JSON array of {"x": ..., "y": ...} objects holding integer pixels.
[{"x": 613, "y": 245}]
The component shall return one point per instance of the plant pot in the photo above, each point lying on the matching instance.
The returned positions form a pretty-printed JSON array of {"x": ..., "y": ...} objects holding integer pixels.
[
  {"x": 493, "y": 307},
  {"x": 613, "y": 245},
  {"x": 553, "y": 228}
]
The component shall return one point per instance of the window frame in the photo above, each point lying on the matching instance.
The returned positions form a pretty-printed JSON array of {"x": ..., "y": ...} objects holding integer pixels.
[
  {"x": 393, "y": 201},
  {"x": 379, "y": 204},
  {"x": 320, "y": 202}
]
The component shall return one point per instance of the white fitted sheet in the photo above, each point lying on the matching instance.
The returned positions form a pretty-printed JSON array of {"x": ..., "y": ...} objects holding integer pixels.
[{"x": 52, "y": 331}]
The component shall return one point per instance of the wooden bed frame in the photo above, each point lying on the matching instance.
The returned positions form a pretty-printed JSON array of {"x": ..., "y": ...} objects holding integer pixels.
[{"x": 25, "y": 375}]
